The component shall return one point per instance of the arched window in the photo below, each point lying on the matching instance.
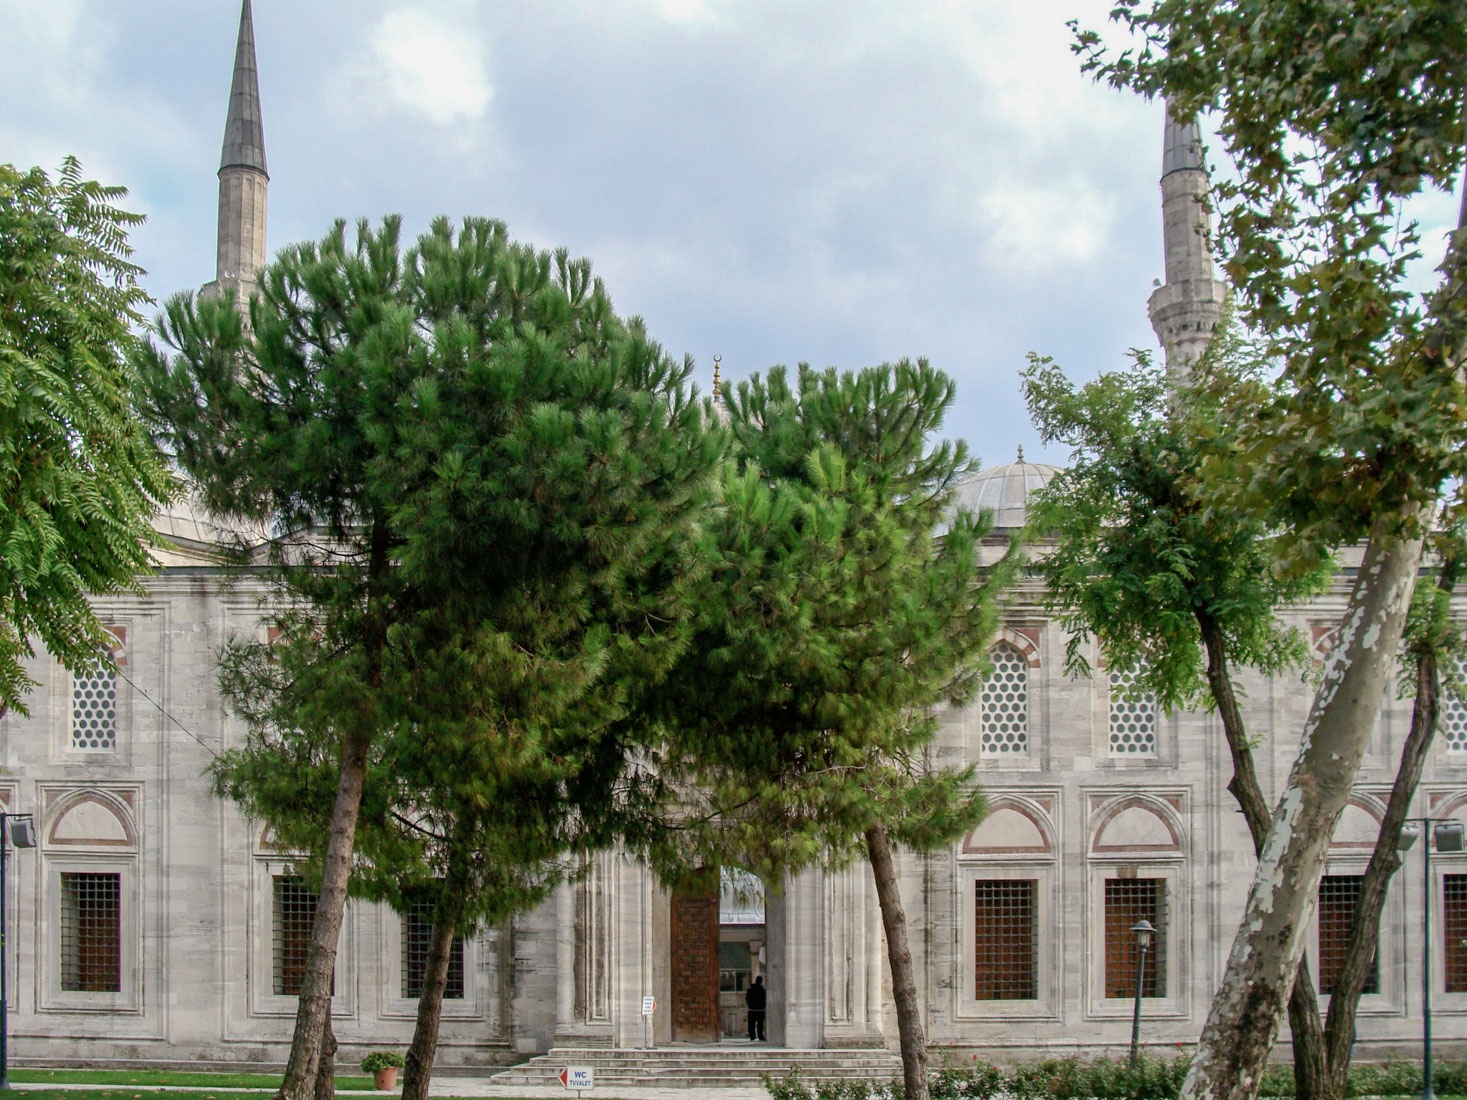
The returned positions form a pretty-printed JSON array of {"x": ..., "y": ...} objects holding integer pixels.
[{"x": 1004, "y": 709}]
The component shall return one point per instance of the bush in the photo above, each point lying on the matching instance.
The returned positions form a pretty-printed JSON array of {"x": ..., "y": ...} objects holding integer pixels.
[{"x": 382, "y": 1059}]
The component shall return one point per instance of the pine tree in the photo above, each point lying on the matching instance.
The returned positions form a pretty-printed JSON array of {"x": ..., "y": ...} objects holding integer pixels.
[
  {"x": 846, "y": 601},
  {"x": 484, "y": 485}
]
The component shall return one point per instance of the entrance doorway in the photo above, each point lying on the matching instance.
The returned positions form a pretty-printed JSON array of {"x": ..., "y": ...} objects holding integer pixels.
[{"x": 742, "y": 954}]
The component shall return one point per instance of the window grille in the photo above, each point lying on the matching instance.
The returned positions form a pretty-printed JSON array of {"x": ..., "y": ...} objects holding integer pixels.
[
  {"x": 1005, "y": 940},
  {"x": 1336, "y": 914},
  {"x": 1004, "y": 707},
  {"x": 1454, "y": 929},
  {"x": 417, "y": 938},
  {"x": 1454, "y": 709},
  {"x": 1127, "y": 901},
  {"x": 294, "y": 913},
  {"x": 1132, "y": 716},
  {"x": 91, "y": 932},
  {"x": 94, "y": 709}
]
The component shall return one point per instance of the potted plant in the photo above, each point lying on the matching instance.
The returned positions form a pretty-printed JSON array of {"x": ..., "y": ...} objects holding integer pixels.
[{"x": 383, "y": 1066}]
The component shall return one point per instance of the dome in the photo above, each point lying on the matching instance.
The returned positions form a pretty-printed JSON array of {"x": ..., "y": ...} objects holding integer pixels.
[{"x": 1004, "y": 490}]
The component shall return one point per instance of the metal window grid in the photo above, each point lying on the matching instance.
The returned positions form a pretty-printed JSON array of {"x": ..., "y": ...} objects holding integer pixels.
[
  {"x": 91, "y": 932},
  {"x": 1004, "y": 707},
  {"x": 1336, "y": 915},
  {"x": 294, "y": 913},
  {"x": 1005, "y": 940},
  {"x": 94, "y": 710},
  {"x": 1127, "y": 901},
  {"x": 1132, "y": 722},
  {"x": 1454, "y": 930},
  {"x": 417, "y": 938}
]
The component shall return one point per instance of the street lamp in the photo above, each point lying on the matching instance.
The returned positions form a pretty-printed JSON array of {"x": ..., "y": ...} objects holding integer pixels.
[
  {"x": 19, "y": 830},
  {"x": 1448, "y": 835},
  {"x": 1143, "y": 931}
]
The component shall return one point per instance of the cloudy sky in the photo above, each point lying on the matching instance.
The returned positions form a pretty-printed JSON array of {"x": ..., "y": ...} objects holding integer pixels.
[{"x": 841, "y": 182}]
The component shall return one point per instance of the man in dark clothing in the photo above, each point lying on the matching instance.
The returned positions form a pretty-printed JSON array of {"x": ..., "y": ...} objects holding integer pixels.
[{"x": 754, "y": 998}]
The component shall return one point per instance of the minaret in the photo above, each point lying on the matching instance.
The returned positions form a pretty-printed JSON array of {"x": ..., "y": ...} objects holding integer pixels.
[
  {"x": 1186, "y": 309},
  {"x": 243, "y": 178}
]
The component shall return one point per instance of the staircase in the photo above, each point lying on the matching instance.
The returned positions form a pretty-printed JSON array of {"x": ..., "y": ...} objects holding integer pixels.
[{"x": 726, "y": 1065}]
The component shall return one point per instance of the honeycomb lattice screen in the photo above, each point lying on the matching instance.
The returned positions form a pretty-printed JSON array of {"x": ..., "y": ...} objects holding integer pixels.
[
  {"x": 94, "y": 709},
  {"x": 1132, "y": 715},
  {"x": 1454, "y": 710},
  {"x": 1004, "y": 709}
]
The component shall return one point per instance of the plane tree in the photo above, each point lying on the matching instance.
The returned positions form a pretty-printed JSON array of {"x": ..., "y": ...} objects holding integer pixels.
[
  {"x": 1335, "y": 115},
  {"x": 470, "y": 464},
  {"x": 846, "y": 599}
]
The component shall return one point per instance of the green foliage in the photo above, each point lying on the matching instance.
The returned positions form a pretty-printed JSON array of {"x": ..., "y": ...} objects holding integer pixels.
[
  {"x": 378, "y": 1060},
  {"x": 845, "y": 599},
  {"x": 80, "y": 478},
  {"x": 485, "y": 485},
  {"x": 1334, "y": 113},
  {"x": 1139, "y": 561}
]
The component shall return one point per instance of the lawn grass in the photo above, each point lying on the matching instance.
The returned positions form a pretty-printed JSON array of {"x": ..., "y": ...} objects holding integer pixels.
[{"x": 183, "y": 1078}]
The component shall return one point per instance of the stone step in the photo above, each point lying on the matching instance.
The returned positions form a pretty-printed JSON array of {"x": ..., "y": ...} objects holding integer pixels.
[{"x": 695, "y": 1067}]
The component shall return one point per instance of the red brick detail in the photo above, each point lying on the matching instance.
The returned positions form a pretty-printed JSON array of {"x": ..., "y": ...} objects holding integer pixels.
[{"x": 694, "y": 967}]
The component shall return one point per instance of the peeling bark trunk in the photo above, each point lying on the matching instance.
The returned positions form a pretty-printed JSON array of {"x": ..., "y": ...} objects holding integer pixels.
[
  {"x": 1311, "y": 1074},
  {"x": 419, "y": 1069},
  {"x": 326, "y": 1067},
  {"x": 899, "y": 955},
  {"x": 1385, "y": 860},
  {"x": 1250, "y": 1002}
]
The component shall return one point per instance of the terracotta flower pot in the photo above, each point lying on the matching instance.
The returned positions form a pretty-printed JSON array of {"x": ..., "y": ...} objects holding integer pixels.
[{"x": 386, "y": 1078}]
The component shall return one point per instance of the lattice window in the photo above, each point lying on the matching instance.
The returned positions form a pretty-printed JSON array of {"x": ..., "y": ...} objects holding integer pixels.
[
  {"x": 94, "y": 709},
  {"x": 294, "y": 913},
  {"x": 417, "y": 938},
  {"x": 1127, "y": 901},
  {"x": 1132, "y": 715},
  {"x": 1454, "y": 709},
  {"x": 1005, "y": 703},
  {"x": 91, "y": 932},
  {"x": 1454, "y": 930},
  {"x": 1336, "y": 914},
  {"x": 1005, "y": 940}
]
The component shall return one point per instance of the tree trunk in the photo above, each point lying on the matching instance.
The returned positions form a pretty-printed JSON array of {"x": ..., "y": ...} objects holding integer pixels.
[
  {"x": 1250, "y": 1002},
  {"x": 1310, "y": 1066},
  {"x": 899, "y": 955},
  {"x": 1385, "y": 860},
  {"x": 326, "y": 1067},
  {"x": 314, "y": 1009},
  {"x": 419, "y": 1069}
]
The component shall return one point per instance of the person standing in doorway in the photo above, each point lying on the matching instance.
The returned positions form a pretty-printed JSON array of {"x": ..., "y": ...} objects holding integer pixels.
[{"x": 754, "y": 998}]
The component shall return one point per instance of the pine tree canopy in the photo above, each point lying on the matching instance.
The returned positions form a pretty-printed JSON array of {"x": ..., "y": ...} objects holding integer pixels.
[{"x": 80, "y": 479}]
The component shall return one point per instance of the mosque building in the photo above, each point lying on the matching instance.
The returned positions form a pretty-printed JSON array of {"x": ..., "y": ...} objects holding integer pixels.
[{"x": 154, "y": 922}]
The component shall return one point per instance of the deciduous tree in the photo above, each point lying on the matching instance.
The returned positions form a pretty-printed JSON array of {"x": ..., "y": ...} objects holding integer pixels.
[{"x": 80, "y": 478}]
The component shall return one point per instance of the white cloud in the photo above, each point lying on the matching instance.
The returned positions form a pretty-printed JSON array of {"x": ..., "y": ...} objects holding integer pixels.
[
  {"x": 432, "y": 67},
  {"x": 1037, "y": 229}
]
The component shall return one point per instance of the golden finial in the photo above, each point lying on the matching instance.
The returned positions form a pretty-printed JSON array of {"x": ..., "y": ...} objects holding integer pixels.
[
  {"x": 1021, "y": 452},
  {"x": 717, "y": 379}
]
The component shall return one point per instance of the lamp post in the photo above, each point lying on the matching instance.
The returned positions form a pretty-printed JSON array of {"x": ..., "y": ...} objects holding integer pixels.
[
  {"x": 1143, "y": 931},
  {"x": 20, "y": 830},
  {"x": 1448, "y": 836}
]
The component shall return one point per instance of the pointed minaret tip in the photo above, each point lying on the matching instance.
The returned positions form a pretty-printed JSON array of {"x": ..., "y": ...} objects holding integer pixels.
[{"x": 244, "y": 131}]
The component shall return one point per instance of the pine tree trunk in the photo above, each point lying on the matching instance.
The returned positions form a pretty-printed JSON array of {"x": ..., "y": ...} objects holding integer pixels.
[
  {"x": 1250, "y": 1002},
  {"x": 1385, "y": 860},
  {"x": 326, "y": 1068},
  {"x": 419, "y": 1069},
  {"x": 1310, "y": 1065},
  {"x": 313, "y": 1012},
  {"x": 899, "y": 955}
]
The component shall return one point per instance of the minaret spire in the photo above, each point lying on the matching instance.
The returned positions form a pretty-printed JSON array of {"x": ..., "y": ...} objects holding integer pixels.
[
  {"x": 243, "y": 176},
  {"x": 1185, "y": 311}
]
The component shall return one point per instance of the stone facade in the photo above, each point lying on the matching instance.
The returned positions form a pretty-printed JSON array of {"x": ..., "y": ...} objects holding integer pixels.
[{"x": 154, "y": 922}]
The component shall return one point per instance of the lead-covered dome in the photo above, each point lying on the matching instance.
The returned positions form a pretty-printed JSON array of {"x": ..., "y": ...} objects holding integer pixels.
[{"x": 1004, "y": 490}]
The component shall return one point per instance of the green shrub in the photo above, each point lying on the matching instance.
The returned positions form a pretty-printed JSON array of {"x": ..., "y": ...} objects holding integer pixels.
[{"x": 382, "y": 1059}]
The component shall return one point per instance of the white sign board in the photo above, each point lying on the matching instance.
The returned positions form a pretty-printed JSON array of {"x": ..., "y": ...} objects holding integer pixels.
[
  {"x": 577, "y": 1077},
  {"x": 649, "y": 1005}
]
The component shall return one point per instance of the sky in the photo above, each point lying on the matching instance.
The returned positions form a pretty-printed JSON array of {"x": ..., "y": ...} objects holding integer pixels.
[{"x": 839, "y": 182}]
